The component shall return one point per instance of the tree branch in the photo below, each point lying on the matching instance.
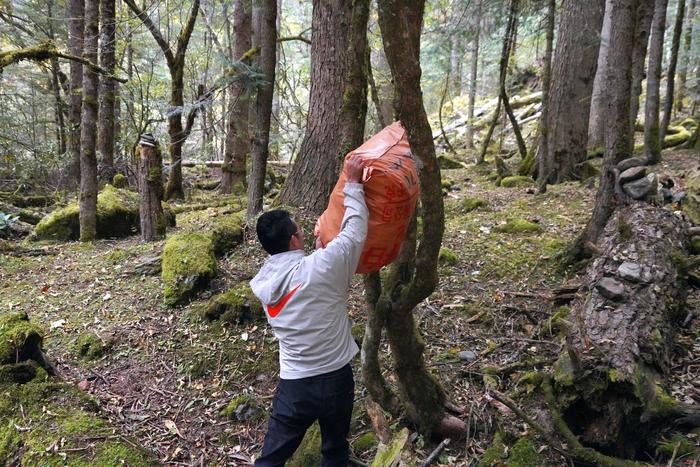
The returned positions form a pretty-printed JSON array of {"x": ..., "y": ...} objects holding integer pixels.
[
  {"x": 183, "y": 38},
  {"x": 155, "y": 32},
  {"x": 294, "y": 38}
]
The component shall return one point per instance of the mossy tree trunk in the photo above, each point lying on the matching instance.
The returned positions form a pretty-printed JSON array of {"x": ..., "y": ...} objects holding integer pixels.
[
  {"x": 687, "y": 52},
  {"x": 652, "y": 141},
  {"x": 645, "y": 14},
  {"x": 672, "y": 65},
  {"x": 88, "y": 126},
  {"x": 76, "y": 11},
  {"x": 176, "y": 65},
  {"x": 151, "y": 217},
  {"x": 542, "y": 160},
  {"x": 106, "y": 127},
  {"x": 267, "y": 39},
  {"x": 237, "y": 136},
  {"x": 400, "y": 22}
]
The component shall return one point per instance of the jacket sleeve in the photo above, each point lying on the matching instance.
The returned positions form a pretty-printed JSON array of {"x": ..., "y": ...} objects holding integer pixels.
[{"x": 338, "y": 261}]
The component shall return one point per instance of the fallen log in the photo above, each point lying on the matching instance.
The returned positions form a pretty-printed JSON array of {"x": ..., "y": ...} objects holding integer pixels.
[
  {"x": 609, "y": 381},
  {"x": 218, "y": 164}
]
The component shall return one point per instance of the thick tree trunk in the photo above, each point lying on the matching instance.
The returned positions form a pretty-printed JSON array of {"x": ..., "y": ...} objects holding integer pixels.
[
  {"x": 596, "y": 127},
  {"x": 107, "y": 88},
  {"x": 237, "y": 137},
  {"x": 573, "y": 72},
  {"x": 267, "y": 36},
  {"x": 150, "y": 185},
  {"x": 645, "y": 14},
  {"x": 413, "y": 277},
  {"x": 610, "y": 381},
  {"x": 316, "y": 168},
  {"x": 76, "y": 12},
  {"x": 652, "y": 141},
  {"x": 543, "y": 162},
  {"x": 88, "y": 127},
  {"x": 469, "y": 136},
  {"x": 685, "y": 62},
  {"x": 673, "y": 63}
]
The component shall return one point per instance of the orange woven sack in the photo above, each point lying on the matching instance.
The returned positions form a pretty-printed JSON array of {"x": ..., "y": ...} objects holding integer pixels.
[{"x": 391, "y": 191}]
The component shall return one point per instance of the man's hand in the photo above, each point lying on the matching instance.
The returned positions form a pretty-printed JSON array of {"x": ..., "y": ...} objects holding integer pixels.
[{"x": 354, "y": 167}]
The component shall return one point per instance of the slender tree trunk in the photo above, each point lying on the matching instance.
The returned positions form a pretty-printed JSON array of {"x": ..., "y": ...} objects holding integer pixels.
[
  {"x": 671, "y": 75},
  {"x": 88, "y": 127},
  {"x": 151, "y": 217},
  {"x": 56, "y": 83},
  {"x": 76, "y": 12},
  {"x": 596, "y": 128},
  {"x": 237, "y": 136},
  {"x": 652, "y": 143},
  {"x": 107, "y": 88},
  {"x": 685, "y": 62},
  {"x": 543, "y": 159},
  {"x": 455, "y": 62},
  {"x": 569, "y": 100},
  {"x": 641, "y": 42},
  {"x": 618, "y": 136},
  {"x": 469, "y": 137},
  {"x": 374, "y": 90},
  {"x": 316, "y": 168},
  {"x": 267, "y": 35}
]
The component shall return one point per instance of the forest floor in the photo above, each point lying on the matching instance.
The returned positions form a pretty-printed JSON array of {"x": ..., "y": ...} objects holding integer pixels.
[{"x": 166, "y": 374}]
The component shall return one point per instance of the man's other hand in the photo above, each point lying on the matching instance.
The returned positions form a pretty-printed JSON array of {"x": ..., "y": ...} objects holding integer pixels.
[{"x": 354, "y": 167}]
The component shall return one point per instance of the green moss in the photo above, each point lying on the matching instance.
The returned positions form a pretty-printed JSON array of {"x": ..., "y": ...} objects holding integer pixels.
[
  {"x": 62, "y": 224},
  {"x": 155, "y": 174},
  {"x": 675, "y": 136},
  {"x": 188, "y": 264},
  {"x": 119, "y": 181},
  {"x": 80, "y": 422},
  {"x": 365, "y": 442},
  {"x": 523, "y": 454},
  {"x": 447, "y": 256},
  {"x": 564, "y": 371},
  {"x": 677, "y": 445},
  {"x": 227, "y": 233},
  {"x": 527, "y": 165},
  {"x": 495, "y": 455},
  {"x": 89, "y": 346},
  {"x": 119, "y": 454},
  {"x": 517, "y": 181},
  {"x": 588, "y": 171},
  {"x": 19, "y": 339},
  {"x": 241, "y": 408},
  {"x": 613, "y": 375},
  {"x": 358, "y": 333},
  {"x": 309, "y": 451},
  {"x": 10, "y": 443},
  {"x": 236, "y": 305},
  {"x": 446, "y": 163},
  {"x": 386, "y": 454},
  {"x": 554, "y": 322},
  {"x": 469, "y": 204},
  {"x": 518, "y": 226}
]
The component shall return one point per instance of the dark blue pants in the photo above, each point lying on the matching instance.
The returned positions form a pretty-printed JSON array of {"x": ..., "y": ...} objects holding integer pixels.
[{"x": 297, "y": 404}]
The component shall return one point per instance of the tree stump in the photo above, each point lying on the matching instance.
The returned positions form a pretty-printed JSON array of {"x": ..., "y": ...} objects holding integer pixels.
[
  {"x": 150, "y": 190},
  {"x": 609, "y": 380}
]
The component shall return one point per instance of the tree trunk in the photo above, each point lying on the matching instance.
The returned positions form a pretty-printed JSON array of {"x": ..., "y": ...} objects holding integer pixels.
[
  {"x": 267, "y": 35},
  {"x": 57, "y": 80},
  {"x": 316, "y": 168},
  {"x": 88, "y": 127},
  {"x": 543, "y": 162},
  {"x": 618, "y": 136},
  {"x": 610, "y": 379},
  {"x": 455, "y": 61},
  {"x": 237, "y": 137},
  {"x": 413, "y": 276},
  {"x": 150, "y": 185},
  {"x": 645, "y": 14},
  {"x": 685, "y": 63},
  {"x": 107, "y": 88},
  {"x": 671, "y": 75},
  {"x": 596, "y": 128},
  {"x": 573, "y": 72},
  {"x": 469, "y": 137},
  {"x": 652, "y": 143},
  {"x": 76, "y": 12}
]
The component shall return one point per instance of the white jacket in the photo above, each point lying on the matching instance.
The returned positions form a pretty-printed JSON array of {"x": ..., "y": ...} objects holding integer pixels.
[{"x": 305, "y": 297}]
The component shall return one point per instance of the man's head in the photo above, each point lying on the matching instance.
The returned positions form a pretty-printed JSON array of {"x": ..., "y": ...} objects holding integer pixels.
[{"x": 278, "y": 233}]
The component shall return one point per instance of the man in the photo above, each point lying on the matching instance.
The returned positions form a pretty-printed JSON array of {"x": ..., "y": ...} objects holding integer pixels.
[{"x": 305, "y": 298}]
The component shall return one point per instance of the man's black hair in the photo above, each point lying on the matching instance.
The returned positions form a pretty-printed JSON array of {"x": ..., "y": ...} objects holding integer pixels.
[{"x": 275, "y": 229}]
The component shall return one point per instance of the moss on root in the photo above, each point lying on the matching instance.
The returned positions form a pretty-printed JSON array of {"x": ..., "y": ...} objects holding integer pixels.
[{"x": 188, "y": 264}]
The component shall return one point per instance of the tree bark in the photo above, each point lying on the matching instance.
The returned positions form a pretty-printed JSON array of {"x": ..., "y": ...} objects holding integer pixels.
[
  {"x": 267, "y": 36},
  {"x": 652, "y": 141},
  {"x": 107, "y": 88},
  {"x": 673, "y": 63},
  {"x": 316, "y": 168},
  {"x": 573, "y": 72},
  {"x": 151, "y": 215},
  {"x": 685, "y": 63},
  {"x": 610, "y": 379},
  {"x": 645, "y": 14},
  {"x": 76, "y": 12},
  {"x": 237, "y": 137},
  {"x": 596, "y": 127},
  {"x": 413, "y": 276},
  {"x": 543, "y": 162},
  {"x": 469, "y": 137},
  {"x": 88, "y": 127}
]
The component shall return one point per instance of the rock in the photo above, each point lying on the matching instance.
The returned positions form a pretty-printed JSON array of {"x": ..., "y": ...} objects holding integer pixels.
[
  {"x": 630, "y": 271},
  {"x": 692, "y": 231},
  {"x": 242, "y": 408},
  {"x": 611, "y": 289},
  {"x": 633, "y": 173},
  {"x": 680, "y": 196},
  {"x": 518, "y": 226},
  {"x": 188, "y": 265},
  {"x": 517, "y": 181},
  {"x": 666, "y": 195},
  {"x": 148, "y": 266},
  {"x": 631, "y": 162},
  {"x": 467, "y": 356},
  {"x": 640, "y": 189},
  {"x": 236, "y": 306},
  {"x": 84, "y": 385}
]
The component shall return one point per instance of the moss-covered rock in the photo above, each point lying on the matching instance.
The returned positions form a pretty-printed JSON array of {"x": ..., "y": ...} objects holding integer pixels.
[
  {"x": 523, "y": 454},
  {"x": 20, "y": 340},
  {"x": 518, "y": 226},
  {"x": 117, "y": 216},
  {"x": 119, "y": 181},
  {"x": 517, "y": 181},
  {"x": 89, "y": 346},
  {"x": 188, "y": 264},
  {"x": 227, "y": 233},
  {"x": 309, "y": 451},
  {"x": 387, "y": 454},
  {"x": 446, "y": 163},
  {"x": 447, "y": 256},
  {"x": 242, "y": 408},
  {"x": 527, "y": 165},
  {"x": 365, "y": 442},
  {"x": 236, "y": 305},
  {"x": 469, "y": 203}
]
